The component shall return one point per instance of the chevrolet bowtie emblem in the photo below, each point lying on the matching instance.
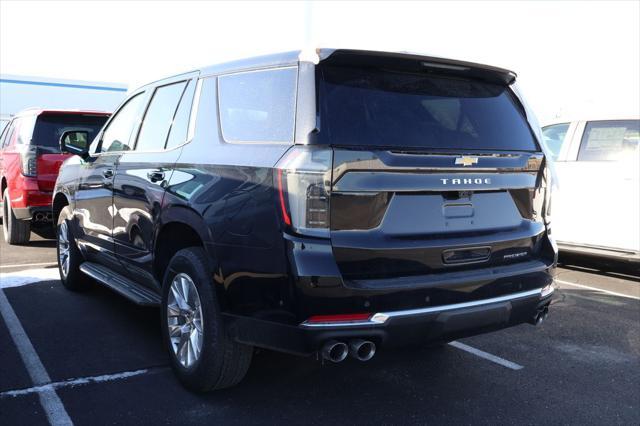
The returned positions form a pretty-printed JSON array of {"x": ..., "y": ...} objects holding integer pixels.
[{"x": 467, "y": 161}]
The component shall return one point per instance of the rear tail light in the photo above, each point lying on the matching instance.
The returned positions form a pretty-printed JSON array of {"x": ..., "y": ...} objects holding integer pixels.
[
  {"x": 303, "y": 179},
  {"x": 28, "y": 158}
]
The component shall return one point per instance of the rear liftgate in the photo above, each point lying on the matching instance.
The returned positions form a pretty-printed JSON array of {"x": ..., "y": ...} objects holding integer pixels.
[{"x": 401, "y": 219}]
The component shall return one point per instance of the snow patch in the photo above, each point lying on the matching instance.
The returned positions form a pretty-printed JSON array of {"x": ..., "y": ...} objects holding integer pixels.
[{"x": 30, "y": 276}]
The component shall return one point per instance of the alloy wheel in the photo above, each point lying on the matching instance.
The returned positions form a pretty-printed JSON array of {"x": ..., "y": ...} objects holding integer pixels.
[
  {"x": 64, "y": 249},
  {"x": 184, "y": 318}
]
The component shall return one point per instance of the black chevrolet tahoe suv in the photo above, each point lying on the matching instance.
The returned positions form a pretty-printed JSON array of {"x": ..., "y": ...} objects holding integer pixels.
[{"x": 329, "y": 202}]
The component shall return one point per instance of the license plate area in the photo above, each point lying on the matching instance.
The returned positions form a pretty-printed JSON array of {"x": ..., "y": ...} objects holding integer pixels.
[{"x": 466, "y": 255}]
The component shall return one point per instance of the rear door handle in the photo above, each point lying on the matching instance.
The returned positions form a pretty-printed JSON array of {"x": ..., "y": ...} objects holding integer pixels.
[
  {"x": 108, "y": 174},
  {"x": 156, "y": 176}
]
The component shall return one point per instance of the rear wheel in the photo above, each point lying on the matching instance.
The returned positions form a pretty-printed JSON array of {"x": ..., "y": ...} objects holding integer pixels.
[
  {"x": 203, "y": 355},
  {"x": 69, "y": 257},
  {"x": 15, "y": 231}
]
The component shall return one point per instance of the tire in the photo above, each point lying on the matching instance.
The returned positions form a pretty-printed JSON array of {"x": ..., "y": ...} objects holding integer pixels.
[
  {"x": 15, "y": 231},
  {"x": 221, "y": 361},
  {"x": 70, "y": 274}
]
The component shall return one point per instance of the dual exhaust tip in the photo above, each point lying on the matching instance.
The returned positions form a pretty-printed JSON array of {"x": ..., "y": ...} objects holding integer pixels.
[
  {"x": 43, "y": 217},
  {"x": 362, "y": 350},
  {"x": 541, "y": 315}
]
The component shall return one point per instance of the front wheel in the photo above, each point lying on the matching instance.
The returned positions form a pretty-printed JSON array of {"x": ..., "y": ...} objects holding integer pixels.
[{"x": 203, "y": 355}]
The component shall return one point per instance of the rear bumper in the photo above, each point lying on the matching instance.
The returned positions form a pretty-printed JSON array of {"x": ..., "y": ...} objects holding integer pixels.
[
  {"x": 321, "y": 288},
  {"x": 27, "y": 198},
  {"x": 437, "y": 323},
  {"x": 402, "y": 311},
  {"x": 27, "y": 213}
]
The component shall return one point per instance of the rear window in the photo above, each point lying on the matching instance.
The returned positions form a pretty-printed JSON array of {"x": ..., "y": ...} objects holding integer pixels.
[
  {"x": 49, "y": 127},
  {"x": 369, "y": 107}
]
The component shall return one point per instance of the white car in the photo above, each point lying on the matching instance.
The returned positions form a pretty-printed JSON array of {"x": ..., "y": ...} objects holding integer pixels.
[{"x": 596, "y": 206}]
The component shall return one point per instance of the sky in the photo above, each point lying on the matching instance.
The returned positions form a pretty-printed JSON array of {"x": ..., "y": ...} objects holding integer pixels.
[{"x": 574, "y": 59}]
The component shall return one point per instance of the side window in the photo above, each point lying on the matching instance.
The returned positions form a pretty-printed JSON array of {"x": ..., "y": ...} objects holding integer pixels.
[
  {"x": 610, "y": 140},
  {"x": 12, "y": 134},
  {"x": 178, "y": 133},
  {"x": 3, "y": 133},
  {"x": 159, "y": 117},
  {"x": 117, "y": 134},
  {"x": 6, "y": 135},
  {"x": 258, "y": 106},
  {"x": 554, "y": 136}
]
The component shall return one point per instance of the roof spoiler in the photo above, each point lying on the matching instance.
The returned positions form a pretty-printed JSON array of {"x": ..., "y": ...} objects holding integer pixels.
[{"x": 416, "y": 63}]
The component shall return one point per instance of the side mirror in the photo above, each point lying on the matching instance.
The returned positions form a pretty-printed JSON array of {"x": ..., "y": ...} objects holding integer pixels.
[{"x": 75, "y": 142}]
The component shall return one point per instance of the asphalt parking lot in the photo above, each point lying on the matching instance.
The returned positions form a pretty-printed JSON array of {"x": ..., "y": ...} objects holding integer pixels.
[{"x": 99, "y": 360}]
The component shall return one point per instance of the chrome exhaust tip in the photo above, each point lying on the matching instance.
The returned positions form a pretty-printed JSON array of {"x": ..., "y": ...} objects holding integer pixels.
[
  {"x": 362, "y": 350},
  {"x": 540, "y": 315},
  {"x": 335, "y": 351}
]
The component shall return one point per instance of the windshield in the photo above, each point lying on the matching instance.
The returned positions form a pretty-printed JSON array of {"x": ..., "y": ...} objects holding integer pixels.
[
  {"x": 49, "y": 127},
  {"x": 380, "y": 108}
]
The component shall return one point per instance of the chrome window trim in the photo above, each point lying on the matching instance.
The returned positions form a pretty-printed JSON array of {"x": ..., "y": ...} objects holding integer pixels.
[
  {"x": 382, "y": 317},
  {"x": 190, "y": 131},
  {"x": 193, "y": 115},
  {"x": 150, "y": 91},
  {"x": 152, "y": 94}
]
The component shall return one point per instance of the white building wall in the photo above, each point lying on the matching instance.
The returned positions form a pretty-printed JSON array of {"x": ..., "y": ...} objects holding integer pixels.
[{"x": 20, "y": 92}]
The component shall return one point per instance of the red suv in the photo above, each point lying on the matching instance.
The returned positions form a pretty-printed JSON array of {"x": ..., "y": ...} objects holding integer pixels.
[{"x": 29, "y": 161}]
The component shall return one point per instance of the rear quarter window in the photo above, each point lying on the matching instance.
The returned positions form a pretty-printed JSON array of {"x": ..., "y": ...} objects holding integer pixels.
[{"x": 258, "y": 106}]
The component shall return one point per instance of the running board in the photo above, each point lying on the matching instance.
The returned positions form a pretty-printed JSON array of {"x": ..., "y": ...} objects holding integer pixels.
[{"x": 133, "y": 291}]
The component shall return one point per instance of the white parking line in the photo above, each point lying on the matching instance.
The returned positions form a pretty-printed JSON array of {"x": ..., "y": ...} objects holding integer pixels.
[
  {"x": 29, "y": 276},
  {"x": 489, "y": 357},
  {"x": 613, "y": 293},
  {"x": 74, "y": 382},
  {"x": 27, "y": 264},
  {"x": 49, "y": 399}
]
